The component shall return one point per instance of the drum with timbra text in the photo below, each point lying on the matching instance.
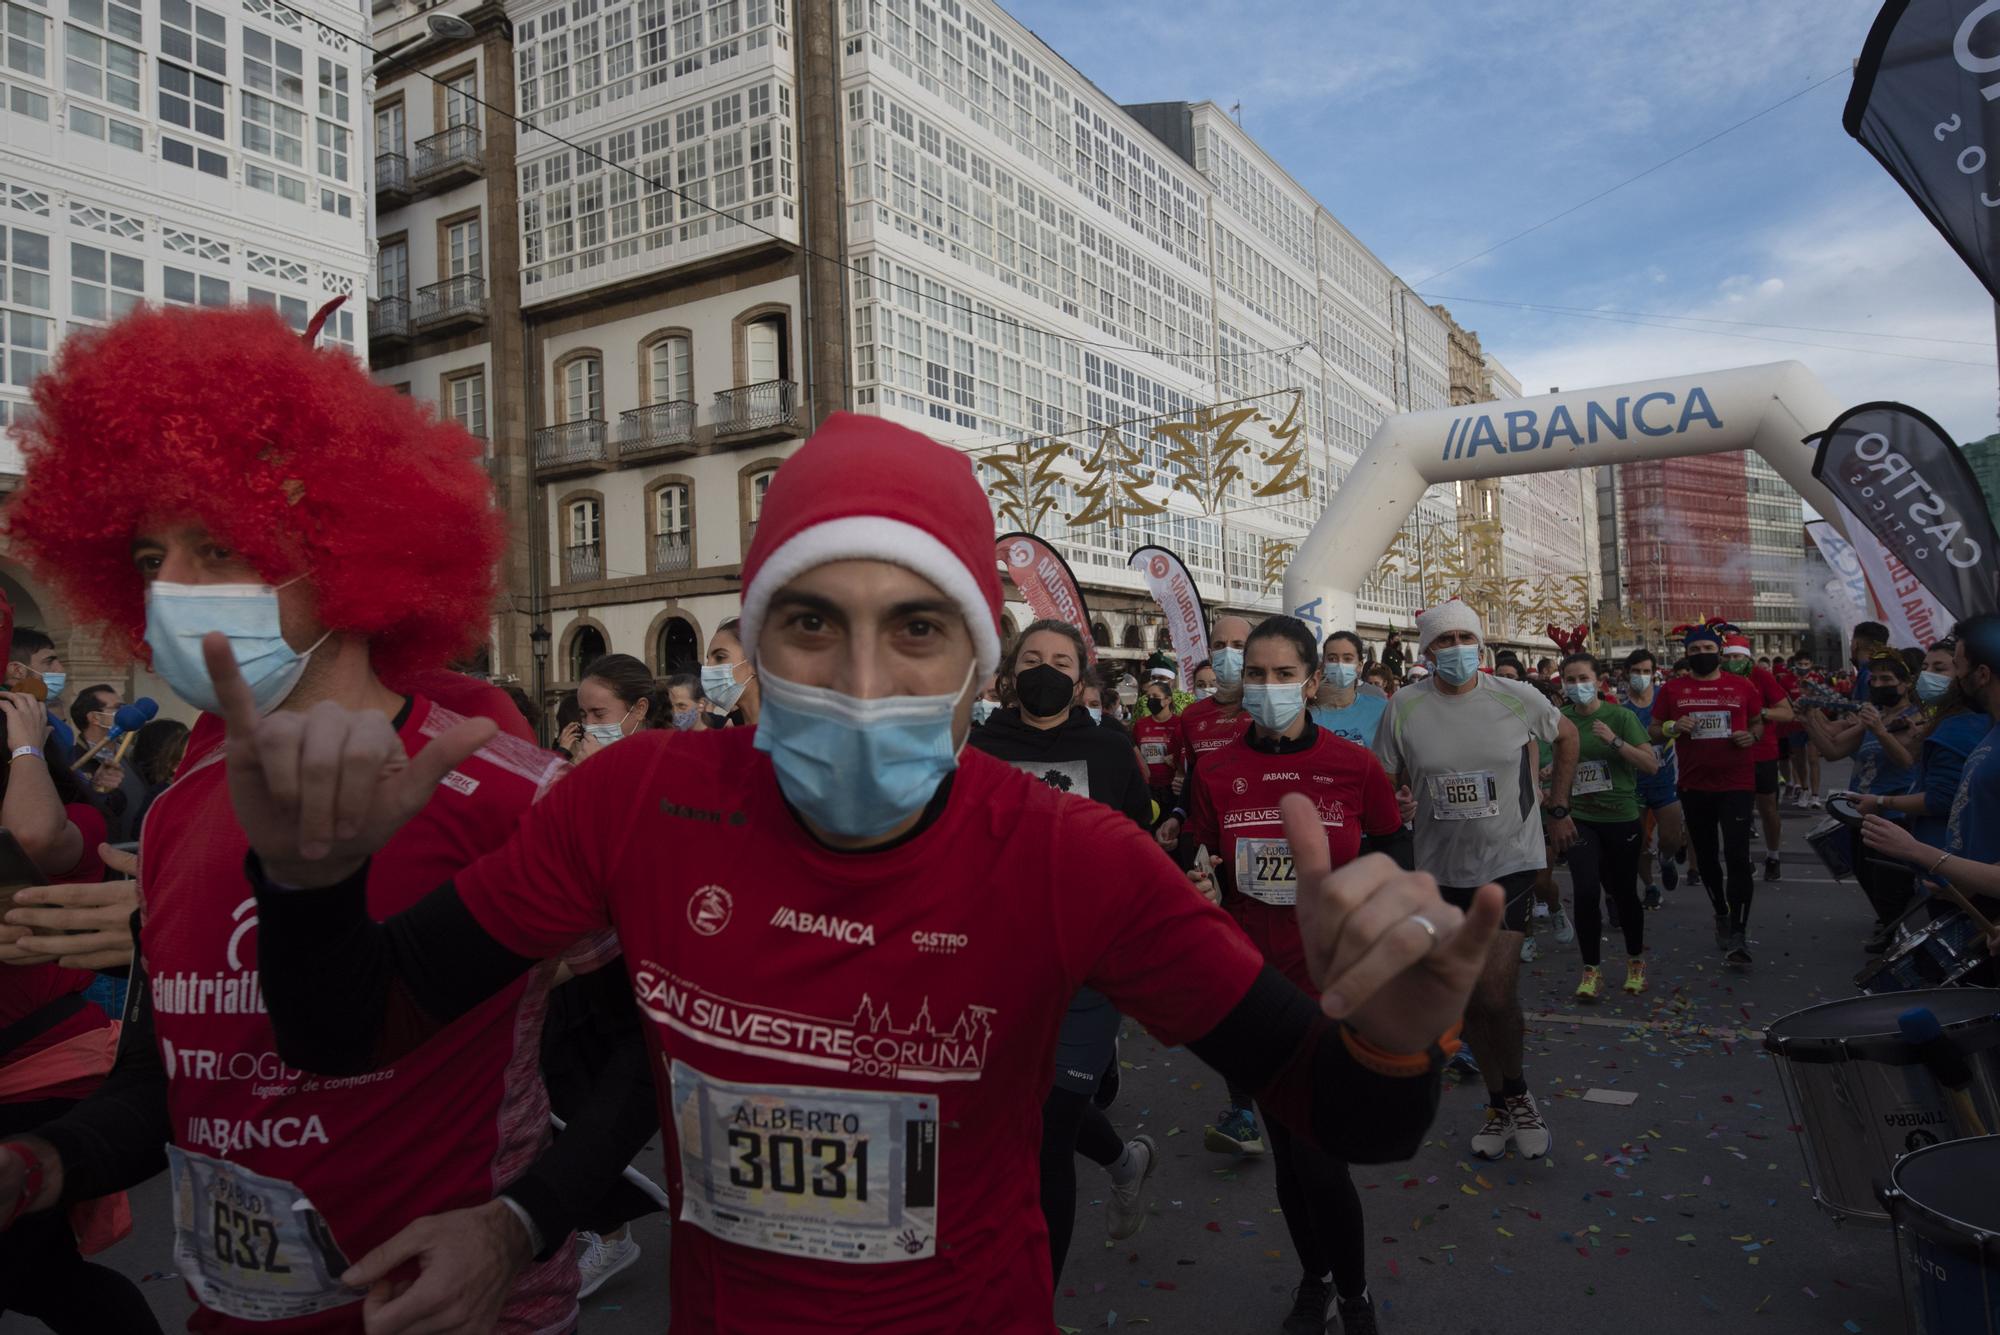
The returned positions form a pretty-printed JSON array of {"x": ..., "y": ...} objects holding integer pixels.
[{"x": 1865, "y": 1085}]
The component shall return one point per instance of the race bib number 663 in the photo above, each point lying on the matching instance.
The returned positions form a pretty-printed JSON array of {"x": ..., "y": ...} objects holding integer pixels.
[{"x": 832, "y": 1174}]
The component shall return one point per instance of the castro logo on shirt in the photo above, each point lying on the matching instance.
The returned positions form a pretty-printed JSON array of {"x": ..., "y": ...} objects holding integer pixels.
[{"x": 709, "y": 909}]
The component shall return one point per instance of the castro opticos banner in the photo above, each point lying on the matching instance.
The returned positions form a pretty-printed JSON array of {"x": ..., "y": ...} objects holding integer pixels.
[
  {"x": 1899, "y": 473},
  {"x": 1926, "y": 103},
  {"x": 1166, "y": 575},
  {"x": 1045, "y": 582}
]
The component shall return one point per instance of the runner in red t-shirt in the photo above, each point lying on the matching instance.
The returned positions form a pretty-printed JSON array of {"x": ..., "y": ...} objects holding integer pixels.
[
  {"x": 337, "y": 536},
  {"x": 1776, "y": 712},
  {"x": 1157, "y": 734},
  {"x": 1801, "y": 758},
  {"x": 55, "y": 1046},
  {"x": 1714, "y": 719},
  {"x": 852, "y": 938},
  {"x": 1211, "y": 724},
  {"x": 1207, "y": 727},
  {"x": 1233, "y": 812}
]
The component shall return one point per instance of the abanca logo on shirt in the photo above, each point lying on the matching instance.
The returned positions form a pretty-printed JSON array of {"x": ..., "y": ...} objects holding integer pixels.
[{"x": 826, "y": 925}]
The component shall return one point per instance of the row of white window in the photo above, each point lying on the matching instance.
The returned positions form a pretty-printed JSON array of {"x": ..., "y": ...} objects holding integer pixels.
[
  {"x": 103, "y": 75},
  {"x": 668, "y": 366}
]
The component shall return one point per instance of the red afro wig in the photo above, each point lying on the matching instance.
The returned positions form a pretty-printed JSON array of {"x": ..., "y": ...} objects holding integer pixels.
[{"x": 286, "y": 453}]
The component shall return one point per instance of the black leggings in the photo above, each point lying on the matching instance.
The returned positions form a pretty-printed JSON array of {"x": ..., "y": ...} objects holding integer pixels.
[
  {"x": 1604, "y": 860},
  {"x": 1322, "y": 1209},
  {"x": 42, "y": 1275},
  {"x": 1071, "y": 1125},
  {"x": 1723, "y": 818}
]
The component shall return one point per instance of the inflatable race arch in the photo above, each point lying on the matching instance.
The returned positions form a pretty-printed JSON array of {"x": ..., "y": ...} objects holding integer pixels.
[{"x": 1772, "y": 409}]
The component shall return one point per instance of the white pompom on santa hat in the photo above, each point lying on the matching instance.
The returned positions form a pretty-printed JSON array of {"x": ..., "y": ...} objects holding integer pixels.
[{"x": 866, "y": 489}]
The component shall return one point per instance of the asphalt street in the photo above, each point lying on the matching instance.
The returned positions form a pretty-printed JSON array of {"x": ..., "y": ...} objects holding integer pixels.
[{"x": 1685, "y": 1210}]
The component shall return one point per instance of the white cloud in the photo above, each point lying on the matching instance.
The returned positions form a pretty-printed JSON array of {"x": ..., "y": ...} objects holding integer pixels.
[{"x": 1884, "y": 271}]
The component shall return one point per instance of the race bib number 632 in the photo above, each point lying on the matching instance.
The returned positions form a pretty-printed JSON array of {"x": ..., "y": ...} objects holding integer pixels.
[{"x": 832, "y": 1174}]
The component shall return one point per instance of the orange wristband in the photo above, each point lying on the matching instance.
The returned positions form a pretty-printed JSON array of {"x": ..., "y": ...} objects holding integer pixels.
[{"x": 1401, "y": 1064}]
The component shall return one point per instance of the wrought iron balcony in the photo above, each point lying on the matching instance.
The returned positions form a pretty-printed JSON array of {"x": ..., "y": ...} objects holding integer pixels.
[
  {"x": 672, "y": 551},
  {"x": 571, "y": 447},
  {"x": 455, "y": 302},
  {"x": 392, "y": 179},
  {"x": 447, "y": 158},
  {"x": 658, "y": 426},
  {"x": 583, "y": 561},
  {"x": 769, "y": 406},
  {"x": 388, "y": 320}
]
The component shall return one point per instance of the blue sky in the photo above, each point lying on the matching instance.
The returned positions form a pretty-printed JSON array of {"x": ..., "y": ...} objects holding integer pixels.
[{"x": 1434, "y": 128}]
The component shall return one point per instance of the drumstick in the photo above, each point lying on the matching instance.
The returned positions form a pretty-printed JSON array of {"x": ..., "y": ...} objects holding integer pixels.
[
  {"x": 1956, "y": 896},
  {"x": 124, "y": 745},
  {"x": 85, "y": 757}
]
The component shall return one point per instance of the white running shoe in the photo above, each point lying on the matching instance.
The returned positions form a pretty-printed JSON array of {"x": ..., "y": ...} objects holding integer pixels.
[
  {"x": 1531, "y": 1133},
  {"x": 1565, "y": 929},
  {"x": 1125, "y": 1207},
  {"x": 602, "y": 1258},
  {"x": 1529, "y": 950},
  {"x": 1490, "y": 1141}
]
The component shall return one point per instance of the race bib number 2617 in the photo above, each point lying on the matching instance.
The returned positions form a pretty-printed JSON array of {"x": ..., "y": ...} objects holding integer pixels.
[{"x": 832, "y": 1174}]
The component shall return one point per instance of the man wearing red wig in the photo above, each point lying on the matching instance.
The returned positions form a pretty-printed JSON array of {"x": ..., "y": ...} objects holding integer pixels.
[
  {"x": 344, "y": 543},
  {"x": 851, "y": 1114}
]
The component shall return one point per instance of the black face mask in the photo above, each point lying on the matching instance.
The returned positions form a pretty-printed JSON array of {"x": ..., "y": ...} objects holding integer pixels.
[
  {"x": 1884, "y": 696},
  {"x": 1703, "y": 664},
  {"x": 1160, "y": 705},
  {"x": 1044, "y": 690}
]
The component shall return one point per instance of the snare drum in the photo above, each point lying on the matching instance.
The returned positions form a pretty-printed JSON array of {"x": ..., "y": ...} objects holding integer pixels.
[
  {"x": 1936, "y": 944},
  {"x": 1946, "y": 1217},
  {"x": 1863, "y": 1096},
  {"x": 1834, "y": 843}
]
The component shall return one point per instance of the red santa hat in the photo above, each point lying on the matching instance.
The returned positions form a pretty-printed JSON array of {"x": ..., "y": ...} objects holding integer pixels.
[
  {"x": 1734, "y": 643},
  {"x": 866, "y": 489}
]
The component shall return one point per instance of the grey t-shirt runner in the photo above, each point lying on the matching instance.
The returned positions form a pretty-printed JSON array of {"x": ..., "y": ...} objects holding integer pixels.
[{"x": 1466, "y": 758}]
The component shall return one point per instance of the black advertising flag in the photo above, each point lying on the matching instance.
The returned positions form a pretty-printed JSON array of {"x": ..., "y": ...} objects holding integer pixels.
[
  {"x": 1899, "y": 473},
  {"x": 1926, "y": 103}
]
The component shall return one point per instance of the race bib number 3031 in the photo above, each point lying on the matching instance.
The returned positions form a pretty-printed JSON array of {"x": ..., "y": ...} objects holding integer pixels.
[
  {"x": 252, "y": 1246},
  {"x": 832, "y": 1174}
]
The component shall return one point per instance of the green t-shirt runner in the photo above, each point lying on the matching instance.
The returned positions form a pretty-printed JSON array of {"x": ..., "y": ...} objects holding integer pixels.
[{"x": 1606, "y": 787}]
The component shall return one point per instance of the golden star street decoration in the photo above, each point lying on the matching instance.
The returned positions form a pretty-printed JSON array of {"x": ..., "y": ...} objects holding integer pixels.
[{"x": 1115, "y": 482}]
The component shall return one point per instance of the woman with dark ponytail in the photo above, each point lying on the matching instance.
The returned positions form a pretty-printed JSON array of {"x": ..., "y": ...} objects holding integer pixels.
[{"x": 618, "y": 696}]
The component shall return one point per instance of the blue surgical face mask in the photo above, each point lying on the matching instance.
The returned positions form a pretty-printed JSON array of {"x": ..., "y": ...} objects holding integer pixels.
[
  {"x": 604, "y": 734},
  {"x": 54, "y": 682},
  {"x": 983, "y": 710},
  {"x": 1343, "y": 675},
  {"x": 1274, "y": 704},
  {"x": 1931, "y": 686},
  {"x": 1228, "y": 665},
  {"x": 719, "y": 684},
  {"x": 685, "y": 719},
  {"x": 1640, "y": 681},
  {"x": 179, "y": 615},
  {"x": 1096, "y": 714},
  {"x": 1580, "y": 692},
  {"x": 1204, "y": 692},
  {"x": 1457, "y": 663},
  {"x": 857, "y": 768}
]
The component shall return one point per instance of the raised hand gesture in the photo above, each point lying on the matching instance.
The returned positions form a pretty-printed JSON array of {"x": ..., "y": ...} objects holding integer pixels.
[
  {"x": 318, "y": 792},
  {"x": 1378, "y": 966}
]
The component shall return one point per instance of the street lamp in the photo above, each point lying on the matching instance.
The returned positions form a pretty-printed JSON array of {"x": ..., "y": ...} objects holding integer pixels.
[
  {"x": 437, "y": 28},
  {"x": 538, "y": 640}
]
